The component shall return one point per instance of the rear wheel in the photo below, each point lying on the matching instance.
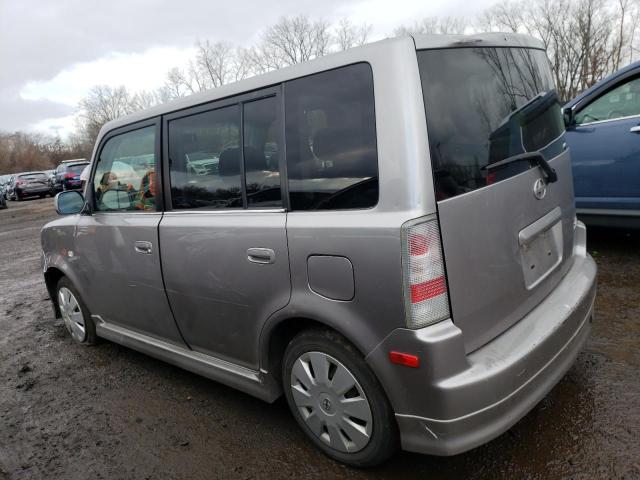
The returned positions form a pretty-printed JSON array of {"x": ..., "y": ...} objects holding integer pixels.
[
  {"x": 337, "y": 400},
  {"x": 75, "y": 313}
]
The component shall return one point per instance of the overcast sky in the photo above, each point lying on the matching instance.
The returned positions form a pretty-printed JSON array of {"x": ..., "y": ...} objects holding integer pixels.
[{"x": 53, "y": 51}]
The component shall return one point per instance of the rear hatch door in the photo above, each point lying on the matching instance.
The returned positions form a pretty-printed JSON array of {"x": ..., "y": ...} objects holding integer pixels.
[{"x": 506, "y": 226}]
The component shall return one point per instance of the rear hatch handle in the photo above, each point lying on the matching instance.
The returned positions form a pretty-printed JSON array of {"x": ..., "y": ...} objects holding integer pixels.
[{"x": 534, "y": 158}]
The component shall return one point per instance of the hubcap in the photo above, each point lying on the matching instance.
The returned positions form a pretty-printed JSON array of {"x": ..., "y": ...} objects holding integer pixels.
[
  {"x": 71, "y": 314},
  {"x": 331, "y": 402}
]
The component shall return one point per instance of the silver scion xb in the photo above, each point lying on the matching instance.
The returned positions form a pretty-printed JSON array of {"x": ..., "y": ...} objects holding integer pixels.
[{"x": 386, "y": 236}]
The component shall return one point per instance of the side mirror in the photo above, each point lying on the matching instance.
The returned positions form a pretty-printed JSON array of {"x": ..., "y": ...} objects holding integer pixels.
[
  {"x": 69, "y": 203},
  {"x": 567, "y": 116}
]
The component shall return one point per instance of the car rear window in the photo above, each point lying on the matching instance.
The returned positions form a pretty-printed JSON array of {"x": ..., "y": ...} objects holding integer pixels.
[
  {"x": 33, "y": 176},
  {"x": 76, "y": 168},
  {"x": 484, "y": 105}
]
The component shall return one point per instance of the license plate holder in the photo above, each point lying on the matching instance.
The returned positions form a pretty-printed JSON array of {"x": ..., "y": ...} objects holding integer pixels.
[{"x": 541, "y": 248}]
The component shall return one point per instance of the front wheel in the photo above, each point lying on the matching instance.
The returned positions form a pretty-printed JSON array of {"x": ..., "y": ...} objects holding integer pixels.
[
  {"x": 75, "y": 313},
  {"x": 337, "y": 400}
]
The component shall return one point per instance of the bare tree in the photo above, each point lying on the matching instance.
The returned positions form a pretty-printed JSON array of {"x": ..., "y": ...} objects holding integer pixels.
[
  {"x": 21, "y": 151},
  {"x": 292, "y": 40},
  {"x": 146, "y": 99},
  {"x": 347, "y": 35},
  {"x": 585, "y": 39},
  {"x": 102, "y": 104},
  {"x": 435, "y": 25},
  {"x": 176, "y": 85}
]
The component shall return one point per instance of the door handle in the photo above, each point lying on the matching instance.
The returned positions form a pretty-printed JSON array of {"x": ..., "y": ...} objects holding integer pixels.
[
  {"x": 143, "y": 247},
  {"x": 635, "y": 129},
  {"x": 261, "y": 255}
]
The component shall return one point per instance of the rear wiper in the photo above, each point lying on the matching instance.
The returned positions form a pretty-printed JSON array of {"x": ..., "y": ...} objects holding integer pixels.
[{"x": 534, "y": 158}]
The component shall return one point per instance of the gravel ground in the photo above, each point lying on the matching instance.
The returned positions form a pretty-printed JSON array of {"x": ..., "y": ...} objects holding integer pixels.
[{"x": 73, "y": 412}]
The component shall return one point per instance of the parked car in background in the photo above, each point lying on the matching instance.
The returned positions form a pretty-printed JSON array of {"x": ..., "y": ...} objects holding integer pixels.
[
  {"x": 408, "y": 271},
  {"x": 51, "y": 175},
  {"x": 603, "y": 133},
  {"x": 4, "y": 181},
  {"x": 31, "y": 184},
  {"x": 67, "y": 175},
  {"x": 9, "y": 187}
]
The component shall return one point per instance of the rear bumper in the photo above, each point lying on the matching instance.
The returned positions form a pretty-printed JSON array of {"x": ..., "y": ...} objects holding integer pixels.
[
  {"x": 456, "y": 401},
  {"x": 32, "y": 191},
  {"x": 71, "y": 185}
]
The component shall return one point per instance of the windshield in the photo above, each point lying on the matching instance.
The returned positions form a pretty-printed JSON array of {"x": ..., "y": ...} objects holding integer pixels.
[{"x": 480, "y": 109}]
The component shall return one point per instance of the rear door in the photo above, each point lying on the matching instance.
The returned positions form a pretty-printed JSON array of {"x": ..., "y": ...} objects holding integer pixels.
[
  {"x": 507, "y": 232},
  {"x": 224, "y": 247},
  {"x": 605, "y": 148}
]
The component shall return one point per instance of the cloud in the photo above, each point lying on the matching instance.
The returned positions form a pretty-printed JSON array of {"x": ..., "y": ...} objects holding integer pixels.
[
  {"x": 52, "y": 52},
  {"x": 137, "y": 71},
  {"x": 19, "y": 114}
]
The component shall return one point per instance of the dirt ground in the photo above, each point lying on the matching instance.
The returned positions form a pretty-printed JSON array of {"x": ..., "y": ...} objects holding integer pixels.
[{"x": 73, "y": 412}]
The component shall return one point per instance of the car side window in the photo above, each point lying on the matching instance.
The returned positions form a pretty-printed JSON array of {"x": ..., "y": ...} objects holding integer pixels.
[
  {"x": 619, "y": 102},
  {"x": 261, "y": 133},
  {"x": 332, "y": 157},
  {"x": 125, "y": 178},
  {"x": 204, "y": 155}
]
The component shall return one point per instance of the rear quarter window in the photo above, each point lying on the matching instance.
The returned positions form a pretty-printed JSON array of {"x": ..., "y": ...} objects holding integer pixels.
[{"x": 332, "y": 157}]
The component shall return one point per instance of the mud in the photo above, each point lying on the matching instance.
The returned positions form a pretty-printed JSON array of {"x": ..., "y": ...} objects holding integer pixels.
[{"x": 72, "y": 412}]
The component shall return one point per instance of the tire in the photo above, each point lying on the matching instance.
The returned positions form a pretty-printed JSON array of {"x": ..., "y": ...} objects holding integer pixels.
[
  {"x": 322, "y": 408},
  {"x": 75, "y": 313}
]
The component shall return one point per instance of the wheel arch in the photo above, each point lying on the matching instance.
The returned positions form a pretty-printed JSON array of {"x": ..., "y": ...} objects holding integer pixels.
[
  {"x": 51, "y": 278},
  {"x": 277, "y": 334}
]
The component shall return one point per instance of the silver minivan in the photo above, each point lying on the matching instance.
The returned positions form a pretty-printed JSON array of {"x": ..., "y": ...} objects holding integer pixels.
[{"x": 386, "y": 236}]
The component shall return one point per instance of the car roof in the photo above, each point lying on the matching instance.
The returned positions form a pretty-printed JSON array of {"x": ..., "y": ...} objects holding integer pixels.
[
  {"x": 327, "y": 62},
  {"x": 72, "y": 160}
]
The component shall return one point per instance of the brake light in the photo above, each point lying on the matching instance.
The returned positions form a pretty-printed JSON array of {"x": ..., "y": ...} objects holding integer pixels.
[
  {"x": 426, "y": 297},
  {"x": 69, "y": 175}
]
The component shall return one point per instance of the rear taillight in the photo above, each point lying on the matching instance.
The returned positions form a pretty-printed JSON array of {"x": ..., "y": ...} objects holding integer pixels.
[
  {"x": 425, "y": 292},
  {"x": 69, "y": 176}
]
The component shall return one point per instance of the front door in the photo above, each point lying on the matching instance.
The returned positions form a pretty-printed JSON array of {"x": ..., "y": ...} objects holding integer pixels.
[
  {"x": 605, "y": 149},
  {"x": 117, "y": 244},
  {"x": 224, "y": 248}
]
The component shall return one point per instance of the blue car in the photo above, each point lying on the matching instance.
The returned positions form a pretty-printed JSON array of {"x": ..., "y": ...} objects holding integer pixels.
[{"x": 603, "y": 133}]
